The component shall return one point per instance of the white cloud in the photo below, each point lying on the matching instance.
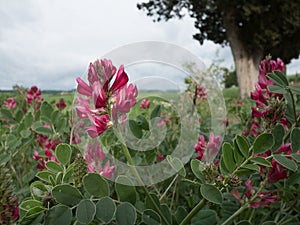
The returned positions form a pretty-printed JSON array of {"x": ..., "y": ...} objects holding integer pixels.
[{"x": 50, "y": 43}]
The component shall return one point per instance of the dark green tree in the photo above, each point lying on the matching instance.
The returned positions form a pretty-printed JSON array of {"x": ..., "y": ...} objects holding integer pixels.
[{"x": 252, "y": 28}]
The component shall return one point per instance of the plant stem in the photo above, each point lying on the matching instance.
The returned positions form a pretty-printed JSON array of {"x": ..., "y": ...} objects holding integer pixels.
[
  {"x": 235, "y": 214},
  {"x": 136, "y": 174},
  {"x": 192, "y": 213}
]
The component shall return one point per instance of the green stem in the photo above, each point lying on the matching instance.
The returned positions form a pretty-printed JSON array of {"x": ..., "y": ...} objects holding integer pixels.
[
  {"x": 136, "y": 174},
  {"x": 235, "y": 214},
  {"x": 192, "y": 213}
]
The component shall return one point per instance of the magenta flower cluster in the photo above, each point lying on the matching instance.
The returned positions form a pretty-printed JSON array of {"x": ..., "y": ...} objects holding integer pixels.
[{"x": 104, "y": 100}]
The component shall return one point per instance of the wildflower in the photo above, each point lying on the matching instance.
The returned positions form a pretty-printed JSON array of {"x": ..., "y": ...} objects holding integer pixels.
[
  {"x": 10, "y": 103},
  {"x": 160, "y": 157},
  {"x": 201, "y": 92},
  {"x": 61, "y": 104},
  {"x": 106, "y": 99},
  {"x": 95, "y": 158},
  {"x": 145, "y": 104},
  {"x": 207, "y": 151},
  {"x": 34, "y": 94},
  {"x": 100, "y": 124}
]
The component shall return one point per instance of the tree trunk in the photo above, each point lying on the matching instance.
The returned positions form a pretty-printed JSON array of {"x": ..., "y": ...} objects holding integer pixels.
[{"x": 246, "y": 60}]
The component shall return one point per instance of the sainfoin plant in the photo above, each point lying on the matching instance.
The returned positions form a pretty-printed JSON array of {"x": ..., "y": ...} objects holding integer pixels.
[{"x": 250, "y": 178}]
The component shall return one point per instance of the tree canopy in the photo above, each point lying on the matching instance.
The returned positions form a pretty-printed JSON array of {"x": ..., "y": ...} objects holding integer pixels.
[{"x": 265, "y": 26}]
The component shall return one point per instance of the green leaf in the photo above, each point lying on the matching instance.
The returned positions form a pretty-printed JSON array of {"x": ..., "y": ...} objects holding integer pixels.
[
  {"x": 69, "y": 173},
  {"x": 228, "y": 157},
  {"x": 43, "y": 130},
  {"x": 46, "y": 109},
  {"x": 63, "y": 153},
  {"x": 6, "y": 114},
  {"x": 66, "y": 194},
  {"x": 295, "y": 139},
  {"x": 277, "y": 89},
  {"x": 150, "y": 217},
  {"x": 211, "y": 193},
  {"x": 149, "y": 203},
  {"x": 177, "y": 165},
  {"x": 278, "y": 78},
  {"x": 243, "y": 145},
  {"x": 4, "y": 158},
  {"x": 180, "y": 214},
  {"x": 32, "y": 220},
  {"x": 59, "y": 214},
  {"x": 295, "y": 88},
  {"x": 34, "y": 211},
  {"x": 261, "y": 161},
  {"x": 96, "y": 185},
  {"x": 296, "y": 157},
  {"x": 28, "y": 204},
  {"x": 285, "y": 162},
  {"x": 38, "y": 190},
  {"x": 165, "y": 211},
  {"x": 263, "y": 143},
  {"x": 156, "y": 112},
  {"x": 44, "y": 176},
  {"x": 135, "y": 129},
  {"x": 251, "y": 167},
  {"x": 125, "y": 190},
  {"x": 105, "y": 209},
  {"x": 54, "y": 167},
  {"x": 205, "y": 216},
  {"x": 85, "y": 211},
  {"x": 238, "y": 157},
  {"x": 222, "y": 167},
  {"x": 278, "y": 134},
  {"x": 125, "y": 214},
  {"x": 28, "y": 120},
  {"x": 142, "y": 122},
  {"x": 197, "y": 166},
  {"x": 25, "y": 133}
]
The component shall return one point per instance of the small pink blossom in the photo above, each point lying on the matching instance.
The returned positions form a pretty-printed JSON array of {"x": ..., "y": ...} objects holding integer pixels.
[
  {"x": 201, "y": 92},
  {"x": 145, "y": 103},
  {"x": 61, "y": 104},
  {"x": 160, "y": 157},
  {"x": 10, "y": 103},
  {"x": 120, "y": 81},
  {"x": 207, "y": 151},
  {"x": 95, "y": 159},
  {"x": 100, "y": 124},
  {"x": 34, "y": 94}
]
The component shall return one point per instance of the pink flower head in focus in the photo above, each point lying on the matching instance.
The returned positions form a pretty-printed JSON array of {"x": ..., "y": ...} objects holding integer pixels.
[
  {"x": 116, "y": 98},
  {"x": 145, "y": 104},
  {"x": 10, "y": 103}
]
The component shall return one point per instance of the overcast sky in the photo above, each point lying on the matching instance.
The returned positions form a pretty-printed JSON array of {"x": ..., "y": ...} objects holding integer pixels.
[{"x": 50, "y": 43}]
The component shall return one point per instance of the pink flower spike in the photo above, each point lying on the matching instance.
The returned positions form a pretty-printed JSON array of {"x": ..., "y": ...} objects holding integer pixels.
[
  {"x": 83, "y": 88},
  {"x": 10, "y": 103},
  {"x": 108, "y": 70},
  {"x": 120, "y": 81},
  {"x": 99, "y": 95},
  {"x": 107, "y": 170},
  {"x": 145, "y": 104},
  {"x": 212, "y": 147},
  {"x": 92, "y": 74},
  {"x": 100, "y": 125},
  {"x": 248, "y": 184},
  {"x": 61, "y": 104}
]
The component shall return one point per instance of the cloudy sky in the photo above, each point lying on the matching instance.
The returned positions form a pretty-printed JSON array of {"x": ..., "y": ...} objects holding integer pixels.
[{"x": 50, "y": 43}]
